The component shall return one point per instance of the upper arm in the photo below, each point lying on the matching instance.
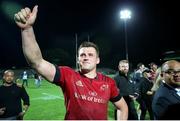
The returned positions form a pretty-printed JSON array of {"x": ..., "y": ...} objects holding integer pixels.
[
  {"x": 122, "y": 109},
  {"x": 25, "y": 96},
  {"x": 46, "y": 69}
]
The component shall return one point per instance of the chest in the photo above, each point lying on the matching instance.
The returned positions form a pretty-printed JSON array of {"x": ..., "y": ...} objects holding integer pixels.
[
  {"x": 9, "y": 93},
  {"x": 91, "y": 90}
]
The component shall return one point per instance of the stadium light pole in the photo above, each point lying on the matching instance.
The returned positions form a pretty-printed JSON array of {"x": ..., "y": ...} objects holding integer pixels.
[{"x": 125, "y": 15}]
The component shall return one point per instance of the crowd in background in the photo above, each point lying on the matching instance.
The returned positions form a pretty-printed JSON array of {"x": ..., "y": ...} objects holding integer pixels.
[{"x": 156, "y": 89}]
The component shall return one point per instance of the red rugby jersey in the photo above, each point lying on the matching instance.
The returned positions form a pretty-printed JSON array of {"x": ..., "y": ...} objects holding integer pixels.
[{"x": 85, "y": 98}]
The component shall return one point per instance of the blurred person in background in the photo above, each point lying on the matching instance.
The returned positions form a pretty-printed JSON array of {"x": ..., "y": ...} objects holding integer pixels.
[
  {"x": 11, "y": 95},
  {"x": 166, "y": 101},
  {"x": 25, "y": 78},
  {"x": 37, "y": 78},
  {"x": 145, "y": 98},
  {"x": 126, "y": 88}
]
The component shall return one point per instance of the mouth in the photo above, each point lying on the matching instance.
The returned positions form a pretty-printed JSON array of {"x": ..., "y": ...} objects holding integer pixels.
[
  {"x": 86, "y": 63},
  {"x": 9, "y": 82},
  {"x": 177, "y": 79}
]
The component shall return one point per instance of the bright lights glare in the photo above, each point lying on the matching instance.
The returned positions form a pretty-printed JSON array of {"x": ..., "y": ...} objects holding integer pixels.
[
  {"x": 9, "y": 8},
  {"x": 125, "y": 14}
]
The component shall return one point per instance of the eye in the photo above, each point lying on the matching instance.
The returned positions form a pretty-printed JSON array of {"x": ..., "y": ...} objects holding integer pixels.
[
  {"x": 82, "y": 55},
  {"x": 172, "y": 72},
  {"x": 90, "y": 54}
]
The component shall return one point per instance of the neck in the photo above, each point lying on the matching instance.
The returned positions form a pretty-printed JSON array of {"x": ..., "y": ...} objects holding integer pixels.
[
  {"x": 172, "y": 86},
  {"x": 7, "y": 84},
  {"x": 122, "y": 73},
  {"x": 91, "y": 74}
]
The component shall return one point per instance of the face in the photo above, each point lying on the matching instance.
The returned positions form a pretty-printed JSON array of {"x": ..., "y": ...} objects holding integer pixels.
[
  {"x": 88, "y": 59},
  {"x": 171, "y": 73},
  {"x": 142, "y": 67},
  {"x": 8, "y": 77},
  {"x": 147, "y": 75},
  {"x": 154, "y": 67},
  {"x": 124, "y": 67}
]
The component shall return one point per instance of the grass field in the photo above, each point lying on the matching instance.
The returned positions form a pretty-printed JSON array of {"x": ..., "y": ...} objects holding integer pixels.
[{"x": 47, "y": 102}]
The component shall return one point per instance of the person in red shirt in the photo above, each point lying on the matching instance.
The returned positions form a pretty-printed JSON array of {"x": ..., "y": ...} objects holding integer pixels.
[{"x": 86, "y": 92}]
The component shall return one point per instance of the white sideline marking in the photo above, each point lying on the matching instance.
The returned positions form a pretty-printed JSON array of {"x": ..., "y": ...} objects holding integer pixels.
[{"x": 48, "y": 97}]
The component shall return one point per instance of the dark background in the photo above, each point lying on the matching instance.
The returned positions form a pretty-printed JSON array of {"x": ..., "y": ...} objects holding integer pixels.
[{"x": 152, "y": 30}]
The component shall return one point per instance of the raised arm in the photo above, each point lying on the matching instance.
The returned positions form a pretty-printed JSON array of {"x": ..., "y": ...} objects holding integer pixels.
[{"x": 25, "y": 20}]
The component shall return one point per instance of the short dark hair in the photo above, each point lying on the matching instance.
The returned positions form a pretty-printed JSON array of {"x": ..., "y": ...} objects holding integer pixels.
[
  {"x": 89, "y": 44},
  {"x": 139, "y": 65},
  {"x": 152, "y": 63},
  {"x": 147, "y": 71}
]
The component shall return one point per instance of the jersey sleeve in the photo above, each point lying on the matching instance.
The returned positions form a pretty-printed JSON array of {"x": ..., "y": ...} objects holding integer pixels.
[
  {"x": 63, "y": 73},
  {"x": 57, "y": 76},
  {"x": 115, "y": 93}
]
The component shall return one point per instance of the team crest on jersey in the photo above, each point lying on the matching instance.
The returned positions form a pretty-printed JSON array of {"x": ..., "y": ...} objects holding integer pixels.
[
  {"x": 104, "y": 87},
  {"x": 79, "y": 83},
  {"x": 92, "y": 93}
]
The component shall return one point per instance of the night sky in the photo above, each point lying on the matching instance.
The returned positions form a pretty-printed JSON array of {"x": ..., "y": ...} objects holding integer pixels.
[{"x": 152, "y": 30}]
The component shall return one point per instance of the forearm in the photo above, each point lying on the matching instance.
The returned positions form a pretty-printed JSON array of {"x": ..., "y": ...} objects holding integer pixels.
[
  {"x": 122, "y": 109},
  {"x": 30, "y": 47},
  {"x": 122, "y": 115}
]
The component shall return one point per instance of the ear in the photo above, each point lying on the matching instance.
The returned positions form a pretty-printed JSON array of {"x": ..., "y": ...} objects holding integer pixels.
[
  {"x": 119, "y": 67},
  {"x": 98, "y": 60},
  {"x": 77, "y": 61}
]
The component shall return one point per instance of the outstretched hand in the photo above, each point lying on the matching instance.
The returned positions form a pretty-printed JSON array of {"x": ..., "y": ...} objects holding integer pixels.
[{"x": 25, "y": 18}]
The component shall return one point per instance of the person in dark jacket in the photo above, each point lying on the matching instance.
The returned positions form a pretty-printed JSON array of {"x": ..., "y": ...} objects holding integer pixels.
[
  {"x": 11, "y": 95},
  {"x": 166, "y": 101},
  {"x": 126, "y": 89},
  {"x": 145, "y": 94}
]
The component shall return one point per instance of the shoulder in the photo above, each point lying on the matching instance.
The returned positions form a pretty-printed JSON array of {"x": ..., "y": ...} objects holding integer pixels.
[
  {"x": 162, "y": 91},
  {"x": 117, "y": 75},
  {"x": 65, "y": 68},
  {"x": 66, "y": 72},
  {"x": 19, "y": 85},
  {"x": 105, "y": 78}
]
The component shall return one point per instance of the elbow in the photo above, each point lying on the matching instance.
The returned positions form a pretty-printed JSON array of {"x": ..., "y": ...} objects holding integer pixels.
[{"x": 35, "y": 64}]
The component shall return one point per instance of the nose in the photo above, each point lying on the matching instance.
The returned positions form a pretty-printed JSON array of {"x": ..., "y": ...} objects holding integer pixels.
[{"x": 85, "y": 57}]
